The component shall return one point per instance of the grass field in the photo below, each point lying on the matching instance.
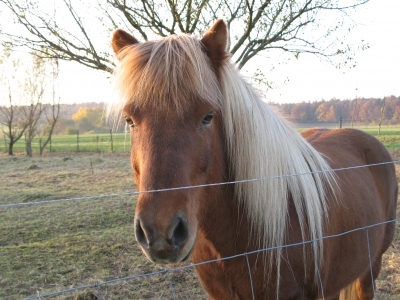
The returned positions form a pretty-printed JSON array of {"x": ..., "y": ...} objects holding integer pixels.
[
  {"x": 51, "y": 247},
  {"x": 78, "y": 143},
  {"x": 389, "y": 136}
]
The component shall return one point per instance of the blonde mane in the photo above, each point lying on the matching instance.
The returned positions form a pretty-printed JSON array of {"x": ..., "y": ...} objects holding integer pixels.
[{"x": 260, "y": 143}]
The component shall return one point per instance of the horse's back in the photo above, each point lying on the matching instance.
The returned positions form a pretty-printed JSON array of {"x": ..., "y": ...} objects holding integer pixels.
[
  {"x": 345, "y": 148},
  {"x": 366, "y": 195}
]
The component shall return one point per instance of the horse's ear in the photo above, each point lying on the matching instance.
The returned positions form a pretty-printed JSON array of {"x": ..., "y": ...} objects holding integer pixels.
[
  {"x": 122, "y": 39},
  {"x": 215, "y": 41}
]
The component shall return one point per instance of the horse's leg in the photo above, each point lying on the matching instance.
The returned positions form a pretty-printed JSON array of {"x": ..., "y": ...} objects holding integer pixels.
[{"x": 365, "y": 284}]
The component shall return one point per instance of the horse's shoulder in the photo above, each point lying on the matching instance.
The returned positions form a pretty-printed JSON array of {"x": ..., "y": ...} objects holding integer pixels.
[
  {"x": 338, "y": 136},
  {"x": 314, "y": 133}
]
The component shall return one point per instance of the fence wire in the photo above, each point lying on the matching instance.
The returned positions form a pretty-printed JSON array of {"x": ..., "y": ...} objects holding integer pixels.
[
  {"x": 246, "y": 254},
  {"x": 193, "y": 186},
  {"x": 169, "y": 271}
]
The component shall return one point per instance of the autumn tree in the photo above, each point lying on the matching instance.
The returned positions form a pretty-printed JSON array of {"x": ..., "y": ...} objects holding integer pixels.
[
  {"x": 392, "y": 103},
  {"x": 65, "y": 30},
  {"x": 88, "y": 118},
  {"x": 384, "y": 111},
  {"x": 369, "y": 110},
  {"x": 322, "y": 110}
]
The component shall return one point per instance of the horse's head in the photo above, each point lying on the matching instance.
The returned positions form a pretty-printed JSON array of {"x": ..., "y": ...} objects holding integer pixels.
[{"x": 172, "y": 106}]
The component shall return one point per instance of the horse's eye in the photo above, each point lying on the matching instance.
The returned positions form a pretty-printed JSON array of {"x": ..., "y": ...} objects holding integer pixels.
[
  {"x": 208, "y": 118},
  {"x": 130, "y": 123}
]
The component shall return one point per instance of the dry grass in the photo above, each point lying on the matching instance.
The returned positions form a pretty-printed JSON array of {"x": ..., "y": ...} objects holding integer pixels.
[
  {"x": 51, "y": 247},
  {"x": 388, "y": 283}
]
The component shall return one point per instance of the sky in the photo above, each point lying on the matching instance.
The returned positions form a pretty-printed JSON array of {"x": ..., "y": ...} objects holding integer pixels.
[{"x": 377, "y": 73}]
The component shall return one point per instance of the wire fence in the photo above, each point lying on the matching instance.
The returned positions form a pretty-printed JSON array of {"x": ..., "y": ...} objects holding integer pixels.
[
  {"x": 109, "y": 141},
  {"x": 246, "y": 254},
  {"x": 97, "y": 286},
  {"x": 101, "y": 142},
  {"x": 194, "y": 186}
]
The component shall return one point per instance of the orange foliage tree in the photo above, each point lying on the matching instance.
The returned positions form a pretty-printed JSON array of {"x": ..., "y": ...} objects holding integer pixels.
[{"x": 88, "y": 118}]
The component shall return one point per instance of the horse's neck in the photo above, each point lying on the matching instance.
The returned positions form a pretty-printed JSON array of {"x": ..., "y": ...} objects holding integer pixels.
[
  {"x": 221, "y": 233},
  {"x": 223, "y": 223}
]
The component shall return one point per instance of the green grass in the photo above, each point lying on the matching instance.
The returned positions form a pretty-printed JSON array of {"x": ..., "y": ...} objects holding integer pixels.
[
  {"x": 83, "y": 143},
  {"x": 389, "y": 135}
]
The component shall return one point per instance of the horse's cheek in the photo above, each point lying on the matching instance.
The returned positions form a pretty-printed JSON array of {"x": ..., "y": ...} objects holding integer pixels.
[
  {"x": 205, "y": 161},
  {"x": 205, "y": 153},
  {"x": 135, "y": 162}
]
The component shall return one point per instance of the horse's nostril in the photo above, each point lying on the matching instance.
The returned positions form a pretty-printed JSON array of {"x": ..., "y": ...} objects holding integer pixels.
[
  {"x": 140, "y": 235},
  {"x": 180, "y": 233}
]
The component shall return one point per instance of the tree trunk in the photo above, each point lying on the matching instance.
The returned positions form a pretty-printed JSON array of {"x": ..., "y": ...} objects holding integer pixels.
[
  {"x": 29, "y": 147},
  {"x": 10, "y": 146}
]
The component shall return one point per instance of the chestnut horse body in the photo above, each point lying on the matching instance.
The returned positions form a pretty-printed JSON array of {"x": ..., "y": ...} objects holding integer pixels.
[{"x": 195, "y": 122}]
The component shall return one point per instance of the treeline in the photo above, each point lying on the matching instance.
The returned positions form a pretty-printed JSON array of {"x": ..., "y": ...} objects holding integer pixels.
[
  {"x": 85, "y": 118},
  {"x": 360, "y": 110}
]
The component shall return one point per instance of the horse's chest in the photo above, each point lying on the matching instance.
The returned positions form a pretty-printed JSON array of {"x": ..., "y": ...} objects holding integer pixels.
[{"x": 219, "y": 278}]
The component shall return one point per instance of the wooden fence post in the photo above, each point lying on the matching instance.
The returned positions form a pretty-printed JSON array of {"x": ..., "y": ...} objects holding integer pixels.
[
  {"x": 111, "y": 141},
  {"x": 77, "y": 141},
  {"x": 381, "y": 117}
]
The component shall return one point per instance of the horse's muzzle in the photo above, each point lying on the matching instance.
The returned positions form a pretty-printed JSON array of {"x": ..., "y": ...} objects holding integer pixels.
[{"x": 164, "y": 244}]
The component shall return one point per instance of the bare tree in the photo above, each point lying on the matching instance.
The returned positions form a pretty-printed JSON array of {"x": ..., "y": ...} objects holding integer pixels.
[
  {"x": 256, "y": 26},
  {"x": 13, "y": 124},
  {"x": 52, "y": 110},
  {"x": 33, "y": 89}
]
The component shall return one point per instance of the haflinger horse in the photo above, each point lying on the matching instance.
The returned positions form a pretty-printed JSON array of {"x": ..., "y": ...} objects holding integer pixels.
[{"x": 195, "y": 122}]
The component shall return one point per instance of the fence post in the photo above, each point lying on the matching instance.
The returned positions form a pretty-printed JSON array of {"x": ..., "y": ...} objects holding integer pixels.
[
  {"x": 381, "y": 118},
  {"x": 340, "y": 122},
  {"x": 77, "y": 141},
  {"x": 111, "y": 141},
  {"x": 354, "y": 111}
]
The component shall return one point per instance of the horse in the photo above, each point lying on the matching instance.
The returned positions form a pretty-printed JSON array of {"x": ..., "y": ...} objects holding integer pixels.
[{"x": 220, "y": 173}]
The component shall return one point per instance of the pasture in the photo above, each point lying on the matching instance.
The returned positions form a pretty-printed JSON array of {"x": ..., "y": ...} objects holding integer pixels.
[
  {"x": 102, "y": 142},
  {"x": 50, "y": 247},
  {"x": 120, "y": 142}
]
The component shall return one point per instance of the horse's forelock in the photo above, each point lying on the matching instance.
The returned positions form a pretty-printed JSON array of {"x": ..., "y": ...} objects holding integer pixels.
[{"x": 165, "y": 74}]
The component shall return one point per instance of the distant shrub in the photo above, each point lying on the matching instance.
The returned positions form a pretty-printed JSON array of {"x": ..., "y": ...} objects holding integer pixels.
[{"x": 71, "y": 131}]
